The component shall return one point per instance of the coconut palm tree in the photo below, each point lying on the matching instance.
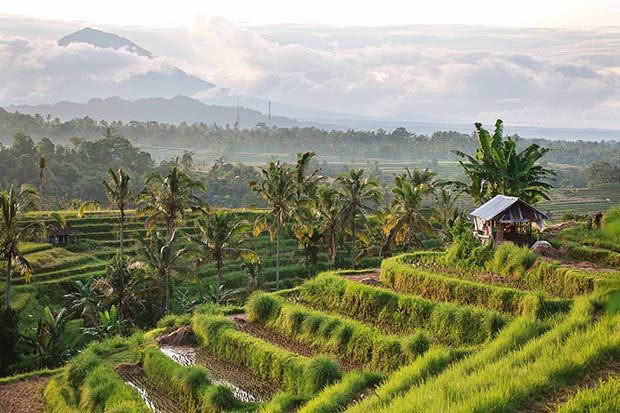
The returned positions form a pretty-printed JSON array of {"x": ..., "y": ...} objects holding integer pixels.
[
  {"x": 119, "y": 192},
  {"x": 167, "y": 198},
  {"x": 163, "y": 255},
  {"x": 446, "y": 211},
  {"x": 407, "y": 213},
  {"x": 356, "y": 193},
  {"x": 220, "y": 236},
  {"x": 328, "y": 210},
  {"x": 305, "y": 183},
  {"x": 13, "y": 204},
  {"x": 277, "y": 187},
  {"x": 498, "y": 168}
]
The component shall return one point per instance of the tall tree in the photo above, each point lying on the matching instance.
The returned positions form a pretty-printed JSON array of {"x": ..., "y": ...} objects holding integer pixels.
[
  {"x": 407, "y": 212},
  {"x": 42, "y": 160},
  {"x": 220, "y": 236},
  {"x": 167, "y": 198},
  {"x": 328, "y": 210},
  {"x": 13, "y": 204},
  {"x": 163, "y": 255},
  {"x": 277, "y": 187},
  {"x": 356, "y": 193},
  {"x": 498, "y": 168},
  {"x": 119, "y": 192}
]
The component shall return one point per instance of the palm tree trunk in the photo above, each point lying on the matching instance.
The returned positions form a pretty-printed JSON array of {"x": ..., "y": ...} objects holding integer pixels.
[
  {"x": 353, "y": 252},
  {"x": 278, "y": 256},
  {"x": 167, "y": 279},
  {"x": 219, "y": 282},
  {"x": 332, "y": 255},
  {"x": 121, "y": 230},
  {"x": 7, "y": 296}
]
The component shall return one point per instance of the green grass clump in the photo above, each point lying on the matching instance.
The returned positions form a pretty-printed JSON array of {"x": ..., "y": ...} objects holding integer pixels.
[
  {"x": 430, "y": 364},
  {"x": 105, "y": 391},
  {"x": 603, "y": 398},
  {"x": 337, "y": 396},
  {"x": 284, "y": 402},
  {"x": 436, "y": 286},
  {"x": 320, "y": 372},
  {"x": 183, "y": 383},
  {"x": 396, "y": 313},
  {"x": 511, "y": 260},
  {"x": 577, "y": 251},
  {"x": 333, "y": 334},
  {"x": 220, "y": 337},
  {"x": 509, "y": 383}
]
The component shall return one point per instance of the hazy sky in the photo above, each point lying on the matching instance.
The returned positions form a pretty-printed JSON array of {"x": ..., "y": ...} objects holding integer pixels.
[
  {"x": 545, "y": 63},
  {"x": 522, "y": 13}
]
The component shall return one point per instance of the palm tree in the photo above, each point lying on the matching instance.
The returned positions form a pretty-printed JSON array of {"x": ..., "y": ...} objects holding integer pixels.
[
  {"x": 406, "y": 213},
  {"x": 221, "y": 236},
  {"x": 119, "y": 192},
  {"x": 167, "y": 198},
  {"x": 446, "y": 211},
  {"x": 328, "y": 210},
  {"x": 356, "y": 192},
  {"x": 13, "y": 204},
  {"x": 161, "y": 253},
  {"x": 305, "y": 183},
  {"x": 278, "y": 189},
  {"x": 497, "y": 168}
]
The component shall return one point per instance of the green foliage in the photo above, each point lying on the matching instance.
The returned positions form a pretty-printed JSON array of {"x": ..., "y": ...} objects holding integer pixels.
[
  {"x": 320, "y": 372},
  {"x": 104, "y": 390},
  {"x": 283, "y": 403},
  {"x": 601, "y": 398},
  {"x": 511, "y": 260},
  {"x": 349, "y": 339},
  {"x": 498, "y": 167},
  {"x": 186, "y": 384},
  {"x": 8, "y": 338},
  {"x": 219, "y": 336},
  {"x": 335, "y": 397},
  {"x": 437, "y": 286},
  {"x": 506, "y": 380},
  {"x": 262, "y": 307},
  {"x": 402, "y": 314}
]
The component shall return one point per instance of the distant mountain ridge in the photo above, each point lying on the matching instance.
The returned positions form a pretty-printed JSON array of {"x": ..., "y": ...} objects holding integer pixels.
[
  {"x": 165, "y": 83},
  {"x": 176, "y": 110},
  {"x": 103, "y": 40}
]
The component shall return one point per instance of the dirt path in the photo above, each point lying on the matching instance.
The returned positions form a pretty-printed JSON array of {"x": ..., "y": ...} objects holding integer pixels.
[
  {"x": 550, "y": 401},
  {"x": 23, "y": 396},
  {"x": 288, "y": 343},
  {"x": 245, "y": 385},
  {"x": 156, "y": 400}
]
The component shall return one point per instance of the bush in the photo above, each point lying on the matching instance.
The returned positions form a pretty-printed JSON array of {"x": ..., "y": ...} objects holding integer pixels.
[
  {"x": 220, "y": 337},
  {"x": 8, "y": 338},
  {"x": 350, "y": 339},
  {"x": 401, "y": 314},
  {"x": 320, "y": 372},
  {"x": 219, "y": 398},
  {"x": 105, "y": 391},
  {"x": 335, "y": 397},
  {"x": 511, "y": 260}
]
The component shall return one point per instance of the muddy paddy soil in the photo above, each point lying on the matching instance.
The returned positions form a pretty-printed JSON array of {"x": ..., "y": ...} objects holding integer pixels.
[
  {"x": 245, "y": 385},
  {"x": 23, "y": 396}
]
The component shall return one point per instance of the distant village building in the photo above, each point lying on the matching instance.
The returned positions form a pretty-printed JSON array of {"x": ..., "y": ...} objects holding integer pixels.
[
  {"x": 507, "y": 219},
  {"x": 61, "y": 236}
]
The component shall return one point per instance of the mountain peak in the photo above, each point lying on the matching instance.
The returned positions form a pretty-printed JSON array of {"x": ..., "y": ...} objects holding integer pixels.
[{"x": 103, "y": 39}]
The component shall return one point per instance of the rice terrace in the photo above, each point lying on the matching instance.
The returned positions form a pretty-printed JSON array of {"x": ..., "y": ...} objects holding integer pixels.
[{"x": 319, "y": 227}]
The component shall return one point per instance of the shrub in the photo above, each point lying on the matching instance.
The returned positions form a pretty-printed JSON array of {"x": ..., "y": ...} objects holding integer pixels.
[
  {"x": 261, "y": 307},
  {"x": 219, "y": 398},
  {"x": 8, "y": 338},
  {"x": 601, "y": 398},
  {"x": 402, "y": 314},
  {"x": 350, "y": 339},
  {"x": 511, "y": 260},
  {"x": 284, "y": 403},
  {"x": 339, "y": 395},
  {"x": 320, "y": 372},
  {"x": 104, "y": 390},
  {"x": 184, "y": 383},
  {"x": 219, "y": 336}
]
